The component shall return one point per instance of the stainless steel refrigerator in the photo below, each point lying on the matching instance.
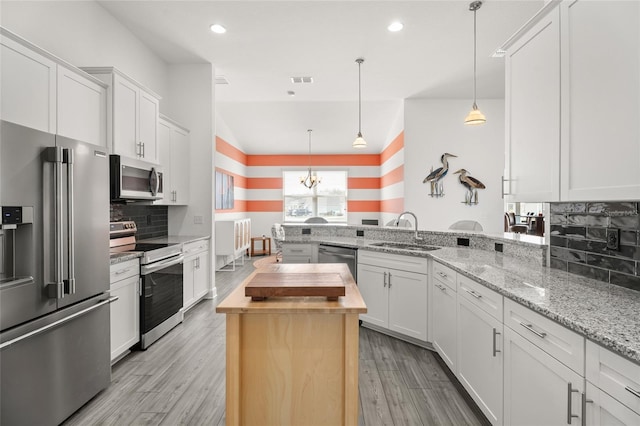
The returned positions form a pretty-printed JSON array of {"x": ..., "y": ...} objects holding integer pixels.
[{"x": 54, "y": 275}]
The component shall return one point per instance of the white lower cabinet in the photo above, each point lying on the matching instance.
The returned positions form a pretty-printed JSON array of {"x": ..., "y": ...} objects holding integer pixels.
[
  {"x": 299, "y": 253},
  {"x": 480, "y": 357},
  {"x": 602, "y": 409},
  {"x": 443, "y": 315},
  {"x": 196, "y": 270},
  {"x": 125, "y": 312},
  {"x": 396, "y": 297},
  {"x": 538, "y": 389}
]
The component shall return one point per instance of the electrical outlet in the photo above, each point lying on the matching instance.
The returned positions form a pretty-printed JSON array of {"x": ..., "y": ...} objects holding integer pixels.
[
  {"x": 306, "y": 231},
  {"x": 197, "y": 219},
  {"x": 463, "y": 242},
  {"x": 499, "y": 247},
  {"x": 359, "y": 233},
  {"x": 613, "y": 238}
]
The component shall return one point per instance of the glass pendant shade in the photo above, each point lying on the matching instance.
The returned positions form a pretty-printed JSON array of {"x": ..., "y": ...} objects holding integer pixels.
[
  {"x": 359, "y": 142},
  {"x": 475, "y": 116}
]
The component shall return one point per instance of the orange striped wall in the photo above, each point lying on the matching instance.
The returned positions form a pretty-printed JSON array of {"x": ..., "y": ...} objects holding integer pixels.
[{"x": 394, "y": 205}]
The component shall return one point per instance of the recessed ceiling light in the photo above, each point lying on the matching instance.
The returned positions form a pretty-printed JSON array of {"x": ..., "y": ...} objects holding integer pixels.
[
  {"x": 218, "y": 29},
  {"x": 394, "y": 27}
]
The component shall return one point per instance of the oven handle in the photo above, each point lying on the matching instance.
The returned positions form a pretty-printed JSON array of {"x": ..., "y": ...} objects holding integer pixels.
[{"x": 154, "y": 267}]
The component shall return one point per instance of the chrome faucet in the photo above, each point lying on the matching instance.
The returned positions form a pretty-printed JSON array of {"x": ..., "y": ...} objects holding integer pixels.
[{"x": 415, "y": 219}]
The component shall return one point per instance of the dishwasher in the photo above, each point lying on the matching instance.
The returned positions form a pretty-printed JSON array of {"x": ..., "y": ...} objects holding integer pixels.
[{"x": 336, "y": 254}]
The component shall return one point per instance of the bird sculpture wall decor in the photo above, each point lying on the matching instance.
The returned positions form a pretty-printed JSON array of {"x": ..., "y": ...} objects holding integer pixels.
[
  {"x": 472, "y": 184},
  {"x": 435, "y": 176}
]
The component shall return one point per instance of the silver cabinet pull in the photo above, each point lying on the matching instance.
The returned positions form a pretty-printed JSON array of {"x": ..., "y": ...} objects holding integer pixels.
[
  {"x": 389, "y": 279},
  {"x": 384, "y": 280},
  {"x": 442, "y": 274},
  {"x": 473, "y": 293},
  {"x": 495, "y": 343},
  {"x": 585, "y": 401},
  {"x": 441, "y": 287},
  {"x": 632, "y": 391},
  {"x": 530, "y": 328},
  {"x": 143, "y": 151},
  {"x": 570, "y": 415},
  {"x": 70, "y": 283},
  {"x": 122, "y": 271}
]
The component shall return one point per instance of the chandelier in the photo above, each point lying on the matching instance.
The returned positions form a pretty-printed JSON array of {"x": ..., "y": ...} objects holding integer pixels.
[{"x": 310, "y": 180}]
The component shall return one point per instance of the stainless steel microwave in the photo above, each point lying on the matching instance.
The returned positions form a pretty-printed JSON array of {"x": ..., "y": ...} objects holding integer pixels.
[{"x": 133, "y": 179}]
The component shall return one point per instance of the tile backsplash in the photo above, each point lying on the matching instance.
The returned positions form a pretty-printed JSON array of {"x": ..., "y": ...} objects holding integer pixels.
[
  {"x": 579, "y": 240},
  {"x": 151, "y": 221}
]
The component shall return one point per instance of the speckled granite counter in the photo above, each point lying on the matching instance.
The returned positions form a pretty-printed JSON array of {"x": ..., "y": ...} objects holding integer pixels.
[
  {"x": 123, "y": 257},
  {"x": 602, "y": 312}
]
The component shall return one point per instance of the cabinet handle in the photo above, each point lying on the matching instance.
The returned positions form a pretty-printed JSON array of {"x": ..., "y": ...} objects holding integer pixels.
[
  {"x": 473, "y": 293},
  {"x": 122, "y": 271},
  {"x": 441, "y": 287},
  {"x": 442, "y": 274},
  {"x": 495, "y": 343},
  {"x": 529, "y": 327},
  {"x": 143, "y": 153},
  {"x": 384, "y": 280},
  {"x": 632, "y": 391},
  {"x": 585, "y": 401},
  {"x": 389, "y": 279},
  {"x": 570, "y": 415}
]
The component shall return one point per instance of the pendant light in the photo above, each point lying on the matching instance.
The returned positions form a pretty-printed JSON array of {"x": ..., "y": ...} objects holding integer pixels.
[
  {"x": 475, "y": 116},
  {"x": 309, "y": 180},
  {"x": 359, "y": 142}
]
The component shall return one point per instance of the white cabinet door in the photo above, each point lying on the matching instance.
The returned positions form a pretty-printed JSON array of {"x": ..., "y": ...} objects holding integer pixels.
[
  {"x": 372, "y": 283},
  {"x": 201, "y": 275},
  {"x": 480, "y": 358},
  {"x": 180, "y": 166},
  {"x": 27, "y": 87},
  {"x": 125, "y": 315},
  {"x": 164, "y": 159},
  {"x": 601, "y": 100},
  {"x": 538, "y": 389},
  {"x": 148, "y": 126},
  {"x": 602, "y": 409},
  {"x": 81, "y": 108},
  {"x": 443, "y": 308},
  {"x": 407, "y": 303},
  {"x": 125, "y": 116},
  {"x": 532, "y": 107},
  {"x": 188, "y": 278}
]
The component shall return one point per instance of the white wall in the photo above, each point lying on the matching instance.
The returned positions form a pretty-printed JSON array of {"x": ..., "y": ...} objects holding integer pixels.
[
  {"x": 435, "y": 126},
  {"x": 84, "y": 34}
]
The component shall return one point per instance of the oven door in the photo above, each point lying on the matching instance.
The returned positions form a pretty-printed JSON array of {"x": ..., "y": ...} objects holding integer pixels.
[{"x": 161, "y": 301}]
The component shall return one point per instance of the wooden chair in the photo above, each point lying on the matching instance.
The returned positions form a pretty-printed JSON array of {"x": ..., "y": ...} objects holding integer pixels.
[{"x": 513, "y": 227}]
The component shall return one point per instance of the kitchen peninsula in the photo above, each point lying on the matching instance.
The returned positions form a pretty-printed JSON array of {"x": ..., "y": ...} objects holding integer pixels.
[{"x": 293, "y": 360}]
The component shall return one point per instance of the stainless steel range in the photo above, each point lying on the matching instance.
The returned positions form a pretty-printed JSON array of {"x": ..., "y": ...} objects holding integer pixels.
[{"x": 162, "y": 282}]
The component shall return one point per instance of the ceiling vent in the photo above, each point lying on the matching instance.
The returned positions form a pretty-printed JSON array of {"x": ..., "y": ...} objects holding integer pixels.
[
  {"x": 302, "y": 79},
  {"x": 221, "y": 79}
]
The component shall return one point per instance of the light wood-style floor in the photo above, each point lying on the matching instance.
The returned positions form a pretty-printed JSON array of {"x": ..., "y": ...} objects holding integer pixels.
[{"x": 180, "y": 380}]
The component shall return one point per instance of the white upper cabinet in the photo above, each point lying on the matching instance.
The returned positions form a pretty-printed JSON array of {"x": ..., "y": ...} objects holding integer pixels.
[
  {"x": 132, "y": 120},
  {"x": 573, "y": 102},
  {"x": 533, "y": 113},
  {"x": 43, "y": 92},
  {"x": 81, "y": 107},
  {"x": 174, "y": 156},
  {"x": 600, "y": 100}
]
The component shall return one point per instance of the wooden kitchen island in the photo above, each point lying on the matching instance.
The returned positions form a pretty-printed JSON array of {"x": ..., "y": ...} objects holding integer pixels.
[{"x": 293, "y": 360}]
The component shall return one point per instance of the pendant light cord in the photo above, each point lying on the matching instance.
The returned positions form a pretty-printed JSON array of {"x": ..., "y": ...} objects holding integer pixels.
[
  {"x": 474, "y": 58},
  {"x": 309, "y": 152},
  {"x": 359, "y": 101}
]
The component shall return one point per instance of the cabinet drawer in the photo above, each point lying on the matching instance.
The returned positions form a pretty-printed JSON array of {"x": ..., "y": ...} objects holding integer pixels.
[
  {"x": 393, "y": 261},
  {"x": 445, "y": 275},
  {"x": 296, "y": 250},
  {"x": 479, "y": 295},
  {"x": 614, "y": 374},
  {"x": 120, "y": 271},
  {"x": 558, "y": 341},
  {"x": 195, "y": 247}
]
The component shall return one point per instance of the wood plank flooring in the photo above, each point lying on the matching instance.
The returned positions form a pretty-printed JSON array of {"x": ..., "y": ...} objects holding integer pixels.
[{"x": 180, "y": 380}]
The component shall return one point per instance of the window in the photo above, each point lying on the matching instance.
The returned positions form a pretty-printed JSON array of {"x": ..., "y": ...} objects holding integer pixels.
[{"x": 328, "y": 199}]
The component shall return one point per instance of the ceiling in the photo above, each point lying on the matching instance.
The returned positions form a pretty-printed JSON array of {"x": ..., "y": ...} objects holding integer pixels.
[{"x": 267, "y": 42}]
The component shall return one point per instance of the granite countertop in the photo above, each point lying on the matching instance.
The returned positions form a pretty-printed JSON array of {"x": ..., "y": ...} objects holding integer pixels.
[{"x": 602, "y": 312}]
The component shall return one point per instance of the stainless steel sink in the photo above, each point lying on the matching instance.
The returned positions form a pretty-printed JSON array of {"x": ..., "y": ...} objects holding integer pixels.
[{"x": 404, "y": 246}]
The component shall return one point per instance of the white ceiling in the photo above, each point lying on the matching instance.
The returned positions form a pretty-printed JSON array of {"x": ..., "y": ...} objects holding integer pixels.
[{"x": 267, "y": 42}]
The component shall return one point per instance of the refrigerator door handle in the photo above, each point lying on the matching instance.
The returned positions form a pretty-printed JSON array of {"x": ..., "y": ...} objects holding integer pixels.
[
  {"x": 70, "y": 282},
  {"x": 59, "y": 322},
  {"x": 54, "y": 155}
]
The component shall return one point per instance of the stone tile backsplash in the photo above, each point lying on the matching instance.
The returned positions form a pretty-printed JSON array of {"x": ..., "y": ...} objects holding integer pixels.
[
  {"x": 151, "y": 221},
  {"x": 579, "y": 241}
]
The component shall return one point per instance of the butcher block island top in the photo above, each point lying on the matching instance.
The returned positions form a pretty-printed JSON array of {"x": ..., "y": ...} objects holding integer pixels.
[
  {"x": 293, "y": 360},
  {"x": 292, "y": 278}
]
